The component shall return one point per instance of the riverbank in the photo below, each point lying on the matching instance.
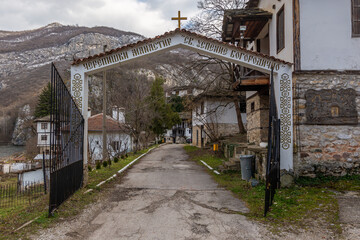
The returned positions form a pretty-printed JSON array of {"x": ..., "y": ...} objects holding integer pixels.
[{"x": 7, "y": 150}]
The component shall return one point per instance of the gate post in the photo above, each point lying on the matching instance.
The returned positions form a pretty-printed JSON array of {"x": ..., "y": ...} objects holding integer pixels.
[
  {"x": 79, "y": 91},
  {"x": 283, "y": 94}
]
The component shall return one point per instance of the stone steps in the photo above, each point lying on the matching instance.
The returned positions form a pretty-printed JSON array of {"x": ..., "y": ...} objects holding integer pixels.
[{"x": 232, "y": 164}]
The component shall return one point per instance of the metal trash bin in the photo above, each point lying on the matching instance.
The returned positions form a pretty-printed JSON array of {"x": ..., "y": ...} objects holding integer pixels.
[{"x": 246, "y": 166}]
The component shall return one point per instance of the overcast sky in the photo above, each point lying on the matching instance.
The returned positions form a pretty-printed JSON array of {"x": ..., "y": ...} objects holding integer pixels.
[{"x": 146, "y": 17}]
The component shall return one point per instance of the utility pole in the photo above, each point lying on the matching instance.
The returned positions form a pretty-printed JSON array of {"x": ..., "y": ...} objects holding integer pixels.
[{"x": 104, "y": 153}]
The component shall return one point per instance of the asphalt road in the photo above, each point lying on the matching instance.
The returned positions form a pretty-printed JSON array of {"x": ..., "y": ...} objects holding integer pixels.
[{"x": 164, "y": 196}]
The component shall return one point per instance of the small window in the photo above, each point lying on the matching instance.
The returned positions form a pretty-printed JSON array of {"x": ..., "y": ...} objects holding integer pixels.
[
  {"x": 97, "y": 142},
  {"x": 280, "y": 30},
  {"x": 252, "y": 106},
  {"x": 202, "y": 108},
  {"x": 355, "y": 5},
  {"x": 43, "y": 125},
  {"x": 335, "y": 111},
  {"x": 116, "y": 145},
  {"x": 43, "y": 137}
]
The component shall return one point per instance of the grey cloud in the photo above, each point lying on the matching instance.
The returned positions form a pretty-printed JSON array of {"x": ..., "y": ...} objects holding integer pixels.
[{"x": 129, "y": 16}]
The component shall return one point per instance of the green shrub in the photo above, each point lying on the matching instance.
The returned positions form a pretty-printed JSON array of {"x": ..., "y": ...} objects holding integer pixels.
[
  {"x": 126, "y": 155},
  {"x": 105, "y": 163},
  {"x": 122, "y": 156},
  {"x": 109, "y": 162},
  {"x": 89, "y": 168},
  {"x": 98, "y": 165},
  {"x": 116, "y": 159}
]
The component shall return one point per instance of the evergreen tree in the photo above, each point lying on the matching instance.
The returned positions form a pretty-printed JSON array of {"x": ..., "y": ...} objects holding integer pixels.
[
  {"x": 163, "y": 117},
  {"x": 177, "y": 104},
  {"x": 43, "y": 106}
]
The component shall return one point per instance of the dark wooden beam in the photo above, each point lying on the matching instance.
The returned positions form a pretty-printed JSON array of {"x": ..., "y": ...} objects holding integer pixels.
[
  {"x": 252, "y": 84},
  {"x": 255, "y": 82},
  {"x": 296, "y": 26}
]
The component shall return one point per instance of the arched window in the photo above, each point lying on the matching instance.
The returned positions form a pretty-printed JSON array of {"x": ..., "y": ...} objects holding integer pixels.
[{"x": 335, "y": 111}]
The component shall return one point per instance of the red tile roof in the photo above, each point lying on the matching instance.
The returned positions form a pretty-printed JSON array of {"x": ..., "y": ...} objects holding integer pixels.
[
  {"x": 95, "y": 124},
  {"x": 43, "y": 119},
  {"x": 78, "y": 61}
]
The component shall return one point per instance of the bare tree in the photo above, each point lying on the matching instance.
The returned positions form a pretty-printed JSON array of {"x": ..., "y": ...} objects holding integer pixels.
[
  {"x": 211, "y": 115},
  {"x": 117, "y": 146},
  {"x": 92, "y": 148},
  {"x": 209, "y": 22},
  {"x": 211, "y": 75},
  {"x": 31, "y": 147},
  {"x": 130, "y": 91}
]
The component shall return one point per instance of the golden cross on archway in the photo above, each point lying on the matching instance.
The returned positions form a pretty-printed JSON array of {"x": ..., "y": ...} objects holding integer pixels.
[{"x": 179, "y": 18}]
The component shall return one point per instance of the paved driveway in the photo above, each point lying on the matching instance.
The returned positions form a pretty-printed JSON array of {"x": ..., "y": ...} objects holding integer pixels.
[{"x": 164, "y": 196}]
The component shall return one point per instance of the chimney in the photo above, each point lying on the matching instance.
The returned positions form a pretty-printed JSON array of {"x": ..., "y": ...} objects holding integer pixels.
[
  {"x": 89, "y": 112},
  {"x": 118, "y": 114}
]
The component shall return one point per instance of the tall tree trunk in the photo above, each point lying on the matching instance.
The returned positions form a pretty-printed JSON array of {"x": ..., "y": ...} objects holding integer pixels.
[{"x": 238, "y": 114}]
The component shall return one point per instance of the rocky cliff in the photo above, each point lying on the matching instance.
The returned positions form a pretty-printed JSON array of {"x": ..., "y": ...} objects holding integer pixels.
[{"x": 23, "y": 129}]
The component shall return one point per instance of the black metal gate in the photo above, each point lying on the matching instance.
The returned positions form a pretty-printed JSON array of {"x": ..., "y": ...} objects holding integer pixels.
[
  {"x": 66, "y": 143},
  {"x": 273, "y": 157}
]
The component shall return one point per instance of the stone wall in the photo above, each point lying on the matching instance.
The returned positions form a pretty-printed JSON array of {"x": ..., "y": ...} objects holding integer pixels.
[
  {"x": 257, "y": 118},
  {"x": 227, "y": 129},
  {"x": 217, "y": 129},
  {"x": 327, "y": 145},
  {"x": 233, "y": 151}
]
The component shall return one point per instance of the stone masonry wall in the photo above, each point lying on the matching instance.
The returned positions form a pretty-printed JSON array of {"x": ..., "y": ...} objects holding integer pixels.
[
  {"x": 226, "y": 129},
  {"x": 327, "y": 149},
  {"x": 257, "y": 118}
]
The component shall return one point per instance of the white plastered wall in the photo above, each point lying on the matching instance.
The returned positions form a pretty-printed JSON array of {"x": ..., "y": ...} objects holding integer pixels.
[{"x": 325, "y": 36}]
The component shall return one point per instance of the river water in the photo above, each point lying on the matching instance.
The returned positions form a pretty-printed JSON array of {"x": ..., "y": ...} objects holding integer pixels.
[{"x": 8, "y": 150}]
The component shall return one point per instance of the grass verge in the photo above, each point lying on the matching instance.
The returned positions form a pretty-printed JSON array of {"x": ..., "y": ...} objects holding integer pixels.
[
  {"x": 12, "y": 218},
  {"x": 309, "y": 203}
]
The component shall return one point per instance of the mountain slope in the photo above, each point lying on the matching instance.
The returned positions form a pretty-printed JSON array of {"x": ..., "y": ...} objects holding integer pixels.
[{"x": 25, "y": 59}]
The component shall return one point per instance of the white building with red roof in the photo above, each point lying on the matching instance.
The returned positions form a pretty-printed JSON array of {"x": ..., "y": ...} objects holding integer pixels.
[{"x": 119, "y": 139}]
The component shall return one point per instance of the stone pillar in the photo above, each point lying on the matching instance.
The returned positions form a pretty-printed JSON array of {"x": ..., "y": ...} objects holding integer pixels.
[{"x": 257, "y": 116}]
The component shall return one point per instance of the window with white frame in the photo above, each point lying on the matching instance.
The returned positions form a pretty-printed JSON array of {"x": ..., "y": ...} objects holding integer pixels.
[
  {"x": 44, "y": 125},
  {"x": 43, "y": 137}
]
